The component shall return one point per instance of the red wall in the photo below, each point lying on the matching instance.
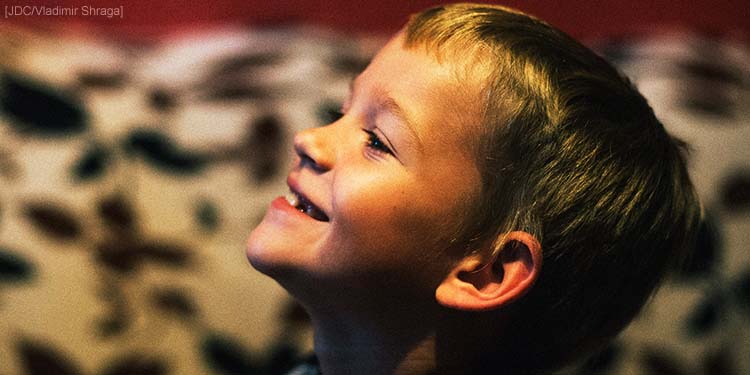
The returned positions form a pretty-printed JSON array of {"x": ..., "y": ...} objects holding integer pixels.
[{"x": 582, "y": 18}]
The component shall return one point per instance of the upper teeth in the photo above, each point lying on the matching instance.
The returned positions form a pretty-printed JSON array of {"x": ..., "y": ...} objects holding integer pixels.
[
  {"x": 304, "y": 206},
  {"x": 292, "y": 198}
]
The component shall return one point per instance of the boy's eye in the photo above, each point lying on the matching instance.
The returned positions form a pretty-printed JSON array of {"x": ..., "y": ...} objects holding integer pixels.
[{"x": 374, "y": 142}]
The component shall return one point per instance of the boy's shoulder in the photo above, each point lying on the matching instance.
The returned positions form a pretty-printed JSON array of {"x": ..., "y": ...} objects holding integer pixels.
[{"x": 309, "y": 366}]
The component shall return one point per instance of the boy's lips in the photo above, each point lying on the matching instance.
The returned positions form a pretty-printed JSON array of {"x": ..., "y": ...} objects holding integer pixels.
[{"x": 302, "y": 203}]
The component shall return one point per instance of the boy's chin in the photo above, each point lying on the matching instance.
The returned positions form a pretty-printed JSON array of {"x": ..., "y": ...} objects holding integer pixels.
[
  {"x": 265, "y": 250},
  {"x": 274, "y": 254}
]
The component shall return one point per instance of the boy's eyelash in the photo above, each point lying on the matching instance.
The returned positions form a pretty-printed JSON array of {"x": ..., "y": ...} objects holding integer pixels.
[{"x": 375, "y": 143}]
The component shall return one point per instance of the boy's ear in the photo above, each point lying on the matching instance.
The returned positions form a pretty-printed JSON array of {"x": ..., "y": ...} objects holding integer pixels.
[{"x": 476, "y": 286}]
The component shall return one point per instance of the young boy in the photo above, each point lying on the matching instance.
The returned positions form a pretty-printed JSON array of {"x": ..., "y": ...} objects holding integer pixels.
[{"x": 495, "y": 199}]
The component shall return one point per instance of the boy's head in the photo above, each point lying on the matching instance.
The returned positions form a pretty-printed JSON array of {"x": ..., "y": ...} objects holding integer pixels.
[
  {"x": 572, "y": 154},
  {"x": 485, "y": 162}
]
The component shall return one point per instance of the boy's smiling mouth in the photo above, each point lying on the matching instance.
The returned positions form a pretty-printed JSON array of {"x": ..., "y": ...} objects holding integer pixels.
[{"x": 302, "y": 204}]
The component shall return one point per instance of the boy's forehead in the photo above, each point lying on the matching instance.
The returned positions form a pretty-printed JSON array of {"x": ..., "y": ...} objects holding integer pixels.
[
  {"x": 445, "y": 91},
  {"x": 460, "y": 64}
]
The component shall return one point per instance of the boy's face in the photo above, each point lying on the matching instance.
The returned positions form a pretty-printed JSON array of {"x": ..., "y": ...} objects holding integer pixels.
[{"x": 391, "y": 177}]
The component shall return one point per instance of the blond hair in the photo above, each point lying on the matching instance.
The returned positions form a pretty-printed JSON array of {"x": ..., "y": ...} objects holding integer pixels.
[{"x": 570, "y": 152}]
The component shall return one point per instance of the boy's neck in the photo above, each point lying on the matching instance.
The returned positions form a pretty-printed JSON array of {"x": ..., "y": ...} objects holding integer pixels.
[
  {"x": 423, "y": 344},
  {"x": 371, "y": 355},
  {"x": 388, "y": 344}
]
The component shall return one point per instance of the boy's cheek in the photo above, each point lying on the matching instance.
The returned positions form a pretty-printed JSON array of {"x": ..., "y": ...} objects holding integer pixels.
[{"x": 386, "y": 229}]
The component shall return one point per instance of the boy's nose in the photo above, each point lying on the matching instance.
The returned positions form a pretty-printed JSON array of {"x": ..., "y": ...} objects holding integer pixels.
[{"x": 313, "y": 150}]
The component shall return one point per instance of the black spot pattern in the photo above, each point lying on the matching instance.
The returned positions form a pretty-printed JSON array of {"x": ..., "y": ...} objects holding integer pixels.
[
  {"x": 157, "y": 149},
  {"x": 102, "y": 80},
  {"x": 174, "y": 301},
  {"x": 55, "y": 221},
  {"x": 117, "y": 321},
  {"x": 702, "y": 260},
  {"x": 718, "y": 362},
  {"x": 116, "y": 213},
  {"x": 704, "y": 319},
  {"x": 14, "y": 268},
  {"x": 165, "y": 254},
  {"x": 349, "y": 64},
  {"x": 40, "y": 110},
  {"x": 710, "y": 100},
  {"x": 92, "y": 165},
  {"x": 242, "y": 63},
  {"x": 119, "y": 257},
  {"x": 207, "y": 215},
  {"x": 112, "y": 326},
  {"x": 162, "y": 99},
  {"x": 735, "y": 192},
  {"x": 328, "y": 112},
  {"x": 225, "y": 356},
  {"x": 264, "y": 147},
  {"x": 661, "y": 362},
  {"x": 241, "y": 91},
  {"x": 137, "y": 364},
  {"x": 711, "y": 71},
  {"x": 43, "y": 359},
  {"x": 741, "y": 290}
]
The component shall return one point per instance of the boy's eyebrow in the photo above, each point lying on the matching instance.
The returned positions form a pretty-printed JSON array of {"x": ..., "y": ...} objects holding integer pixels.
[{"x": 387, "y": 103}]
